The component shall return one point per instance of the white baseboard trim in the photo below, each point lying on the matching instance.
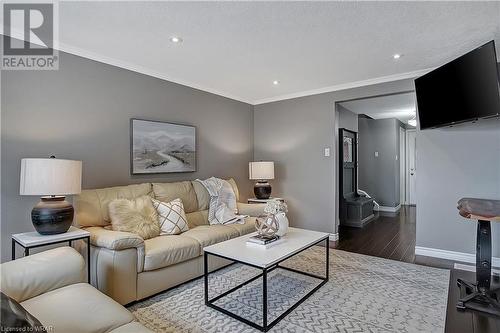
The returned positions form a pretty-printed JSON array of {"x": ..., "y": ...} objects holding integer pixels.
[
  {"x": 334, "y": 237},
  {"x": 387, "y": 208},
  {"x": 452, "y": 255},
  {"x": 472, "y": 268}
]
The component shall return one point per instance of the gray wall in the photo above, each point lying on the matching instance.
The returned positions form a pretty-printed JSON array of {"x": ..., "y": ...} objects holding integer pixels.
[
  {"x": 453, "y": 163},
  {"x": 82, "y": 112},
  {"x": 293, "y": 133},
  {"x": 347, "y": 119},
  {"x": 379, "y": 176}
]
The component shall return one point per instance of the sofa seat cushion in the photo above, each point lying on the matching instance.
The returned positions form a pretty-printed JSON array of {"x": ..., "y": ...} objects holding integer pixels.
[
  {"x": 78, "y": 308},
  {"x": 211, "y": 234},
  {"x": 167, "y": 250},
  {"x": 246, "y": 228}
]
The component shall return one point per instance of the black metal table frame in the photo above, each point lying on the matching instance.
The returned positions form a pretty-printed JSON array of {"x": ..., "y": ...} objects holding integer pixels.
[
  {"x": 70, "y": 241},
  {"x": 265, "y": 325}
]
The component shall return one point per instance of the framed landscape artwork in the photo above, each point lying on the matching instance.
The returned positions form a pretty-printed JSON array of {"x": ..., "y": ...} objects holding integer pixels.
[{"x": 161, "y": 147}]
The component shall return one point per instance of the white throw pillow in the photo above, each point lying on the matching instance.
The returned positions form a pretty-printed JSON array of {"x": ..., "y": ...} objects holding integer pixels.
[{"x": 171, "y": 216}]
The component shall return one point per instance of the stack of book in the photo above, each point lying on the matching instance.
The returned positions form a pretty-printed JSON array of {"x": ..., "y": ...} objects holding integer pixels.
[{"x": 263, "y": 241}]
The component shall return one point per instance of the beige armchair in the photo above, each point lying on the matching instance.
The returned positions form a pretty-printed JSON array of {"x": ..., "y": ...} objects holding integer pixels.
[{"x": 51, "y": 286}]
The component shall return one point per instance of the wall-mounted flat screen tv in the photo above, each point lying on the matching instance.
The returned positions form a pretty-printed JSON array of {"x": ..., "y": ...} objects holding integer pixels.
[{"x": 465, "y": 89}]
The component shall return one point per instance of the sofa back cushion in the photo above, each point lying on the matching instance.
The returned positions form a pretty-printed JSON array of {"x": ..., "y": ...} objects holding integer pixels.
[
  {"x": 92, "y": 205},
  {"x": 167, "y": 192},
  {"x": 201, "y": 195},
  {"x": 195, "y": 219},
  {"x": 235, "y": 188}
]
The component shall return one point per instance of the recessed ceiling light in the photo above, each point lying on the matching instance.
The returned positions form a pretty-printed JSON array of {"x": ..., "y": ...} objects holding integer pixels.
[
  {"x": 276, "y": 82},
  {"x": 175, "y": 39},
  {"x": 397, "y": 56}
]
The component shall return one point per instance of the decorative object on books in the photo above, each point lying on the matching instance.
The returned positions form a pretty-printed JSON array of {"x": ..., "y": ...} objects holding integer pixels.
[
  {"x": 282, "y": 224},
  {"x": 262, "y": 172},
  {"x": 278, "y": 209},
  {"x": 137, "y": 216},
  {"x": 161, "y": 147},
  {"x": 266, "y": 225},
  {"x": 52, "y": 179},
  {"x": 171, "y": 216}
]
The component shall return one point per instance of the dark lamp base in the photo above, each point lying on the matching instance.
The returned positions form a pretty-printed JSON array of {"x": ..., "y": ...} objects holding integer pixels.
[
  {"x": 52, "y": 215},
  {"x": 262, "y": 190}
]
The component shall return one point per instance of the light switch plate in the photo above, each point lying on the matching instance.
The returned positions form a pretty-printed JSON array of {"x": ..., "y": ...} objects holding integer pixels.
[
  {"x": 327, "y": 152},
  {"x": 376, "y": 154}
]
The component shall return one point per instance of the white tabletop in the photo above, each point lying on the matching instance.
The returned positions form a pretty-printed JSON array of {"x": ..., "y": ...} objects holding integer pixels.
[
  {"x": 294, "y": 241},
  {"x": 29, "y": 239}
]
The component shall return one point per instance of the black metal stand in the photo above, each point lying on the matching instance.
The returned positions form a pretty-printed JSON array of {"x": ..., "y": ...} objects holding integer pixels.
[
  {"x": 478, "y": 296},
  {"x": 265, "y": 325},
  {"x": 70, "y": 243}
]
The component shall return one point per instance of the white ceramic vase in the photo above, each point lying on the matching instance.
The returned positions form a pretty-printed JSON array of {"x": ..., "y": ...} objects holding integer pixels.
[{"x": 282, "y": 224}]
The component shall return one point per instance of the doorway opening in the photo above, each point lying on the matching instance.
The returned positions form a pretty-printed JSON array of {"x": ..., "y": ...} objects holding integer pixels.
[{"x": 386, "y": 148}]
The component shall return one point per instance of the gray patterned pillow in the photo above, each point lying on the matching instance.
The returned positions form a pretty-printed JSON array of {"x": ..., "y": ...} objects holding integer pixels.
[
  {"x": 15, "y": 318},
  {"x": 171, "y": 216}
]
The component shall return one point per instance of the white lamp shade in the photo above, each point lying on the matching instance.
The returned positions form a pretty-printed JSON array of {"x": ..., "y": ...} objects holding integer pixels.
[
  {"x": 261, "y": 170},
  {"x": 50, "y": 176}
]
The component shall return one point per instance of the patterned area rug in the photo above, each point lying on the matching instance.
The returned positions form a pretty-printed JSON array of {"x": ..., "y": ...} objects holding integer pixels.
[{"x": 364, "y": 294}]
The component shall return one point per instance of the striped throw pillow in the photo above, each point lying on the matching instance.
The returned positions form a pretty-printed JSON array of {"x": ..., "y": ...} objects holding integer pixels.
[{"x": 171, "y": 216}]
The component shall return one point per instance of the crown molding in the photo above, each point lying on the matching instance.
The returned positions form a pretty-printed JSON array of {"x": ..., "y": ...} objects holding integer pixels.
[
  {"x": 344, "y": 86},
  {"x": 146, "y": 71}
]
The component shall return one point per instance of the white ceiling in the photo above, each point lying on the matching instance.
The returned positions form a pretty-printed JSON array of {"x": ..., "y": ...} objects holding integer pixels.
[
  {"x": 236, "y": 49},
  {"x": 400, "y": 106}
]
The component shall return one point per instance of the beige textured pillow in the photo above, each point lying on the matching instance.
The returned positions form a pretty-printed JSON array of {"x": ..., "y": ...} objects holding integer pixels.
[{"x": 135, "y": 215}]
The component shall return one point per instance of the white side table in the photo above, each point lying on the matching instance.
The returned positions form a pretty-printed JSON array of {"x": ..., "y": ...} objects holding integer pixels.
[
  {"x": 255, "y": 200},
  {"x": 29, "y": 240}
]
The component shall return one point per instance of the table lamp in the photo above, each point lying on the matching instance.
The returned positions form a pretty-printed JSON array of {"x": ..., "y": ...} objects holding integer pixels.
[
  {"x": 262, "y": 172},
  {"x": 52, "y": 179}
]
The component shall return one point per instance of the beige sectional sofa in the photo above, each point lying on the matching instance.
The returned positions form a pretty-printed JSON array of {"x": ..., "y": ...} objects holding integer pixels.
[
  {"x": 52, "y": 286},
  {"x": 128, "y": 268}
]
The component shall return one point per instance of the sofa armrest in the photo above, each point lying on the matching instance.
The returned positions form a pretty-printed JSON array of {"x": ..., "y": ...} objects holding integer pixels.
[
  {"x": 42, "y": 272},
  {"x": 116, "y": 259},
  {"x": 114, "y": 240},
  {"x": 251, "y": 209}
]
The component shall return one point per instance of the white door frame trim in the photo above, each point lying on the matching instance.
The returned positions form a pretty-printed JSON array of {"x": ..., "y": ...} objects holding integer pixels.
[
  {"x": 407, "y": 167},
  {"x": 402, "y": 166}
]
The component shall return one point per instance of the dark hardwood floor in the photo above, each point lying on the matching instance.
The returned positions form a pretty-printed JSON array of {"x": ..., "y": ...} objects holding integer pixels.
[{"x": 392, "y": 236}]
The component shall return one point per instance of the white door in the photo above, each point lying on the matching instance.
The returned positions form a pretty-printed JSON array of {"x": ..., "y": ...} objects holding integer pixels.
[
  {"x": 411, "y": 157},
  {"x": 402, "y": 166}
]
